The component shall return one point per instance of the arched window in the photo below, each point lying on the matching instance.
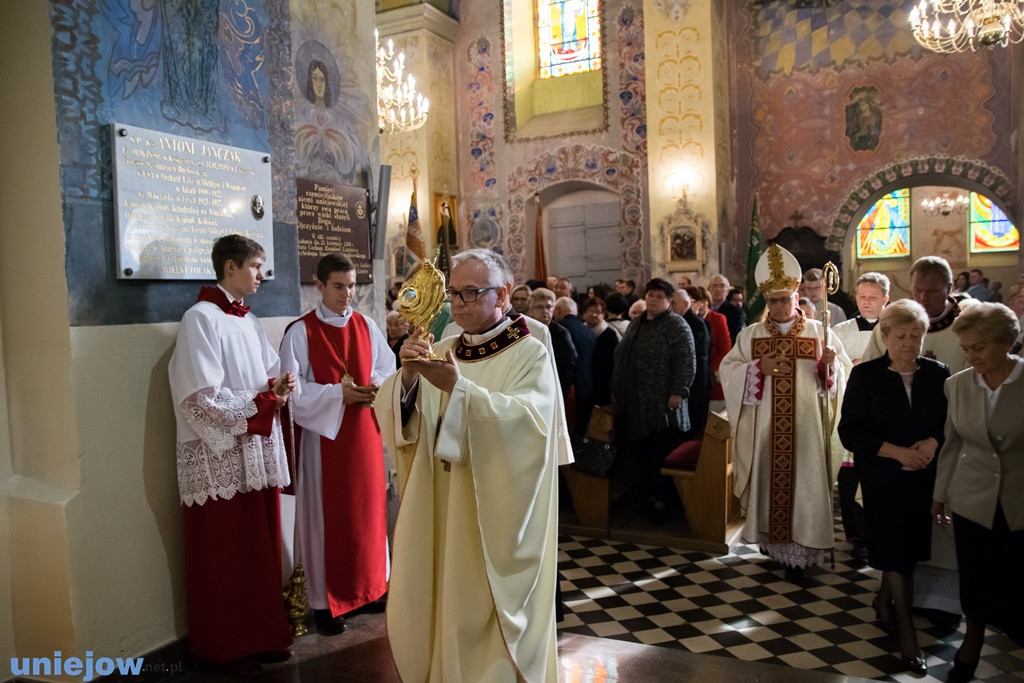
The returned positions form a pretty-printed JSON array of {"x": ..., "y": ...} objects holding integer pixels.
[
  {"x": 553, "y": 54},
  {"x": 568, "y": 37},
  {"x": 990, "y": 228},
  {"x": 884, "y": 232}
]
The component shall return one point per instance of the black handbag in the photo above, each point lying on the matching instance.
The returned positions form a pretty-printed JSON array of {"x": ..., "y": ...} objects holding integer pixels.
[{"x": 592, "y": 456}]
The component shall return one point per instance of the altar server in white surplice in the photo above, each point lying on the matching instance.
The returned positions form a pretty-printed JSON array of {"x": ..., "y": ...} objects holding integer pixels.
[
  {"x": 472, "y": 593},
  {"x": 340, "y": 358},
  {"x": 774, "y": 380},
  {"x": 231, "y": 461}
]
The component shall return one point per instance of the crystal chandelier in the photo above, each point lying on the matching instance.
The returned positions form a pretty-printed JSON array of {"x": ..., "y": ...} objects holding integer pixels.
[
  {"x": 961, "y": 25},
  {"x": 399, "y": 107},
  {"x": 945, "y": 204}
]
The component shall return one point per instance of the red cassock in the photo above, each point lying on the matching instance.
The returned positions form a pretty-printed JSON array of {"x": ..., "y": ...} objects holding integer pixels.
[
  {"x": 233, "y": 545},
  {"x": 352, "y": 470},
  {"x": 233, "y": 577}
]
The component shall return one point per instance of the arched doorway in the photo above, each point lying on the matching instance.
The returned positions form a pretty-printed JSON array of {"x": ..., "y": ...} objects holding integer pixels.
[{"x": 582, "y": 225}]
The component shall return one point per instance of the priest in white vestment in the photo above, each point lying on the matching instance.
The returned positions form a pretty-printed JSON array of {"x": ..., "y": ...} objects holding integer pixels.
[
  {"x": 936, "y": 583},
  {"x": 775, "y": 380},
  {"x": 472, "y": 592},
  {"x": 340, "y": 357}
]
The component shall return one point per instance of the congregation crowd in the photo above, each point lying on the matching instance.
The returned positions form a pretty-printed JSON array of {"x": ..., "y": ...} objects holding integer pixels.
[{"x": 912, "y": 402}]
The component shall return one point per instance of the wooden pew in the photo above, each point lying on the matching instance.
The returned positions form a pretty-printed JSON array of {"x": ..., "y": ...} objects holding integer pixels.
[
  {"x": 591, "y": 500},
  {"x": 706, "y": 486}
]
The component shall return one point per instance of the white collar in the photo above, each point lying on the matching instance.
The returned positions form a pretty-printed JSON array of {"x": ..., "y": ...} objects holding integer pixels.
[
  {"x": 228, "y": 294},
  {"x": 945, "y": 312},
  {"x": 1018, "y": 369},
  {"x": 332, "y": 318},
  {"x": 478, "y": 339}
]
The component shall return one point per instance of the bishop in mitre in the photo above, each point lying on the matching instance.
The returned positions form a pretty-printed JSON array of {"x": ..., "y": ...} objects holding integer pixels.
[
  {"x": 777, "y": 380},
  {"x": 472, "y": 593}
]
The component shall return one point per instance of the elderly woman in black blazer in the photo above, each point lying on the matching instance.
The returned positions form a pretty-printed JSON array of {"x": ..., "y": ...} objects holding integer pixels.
[
  {"x": 981, "y": 479},
  {"x": 893, "y": 415}
]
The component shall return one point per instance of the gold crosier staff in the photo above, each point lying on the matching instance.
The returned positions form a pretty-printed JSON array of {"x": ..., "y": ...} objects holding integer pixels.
[
  {"x": 296, "y": 602},
  {"x": 829, "y": 285}
]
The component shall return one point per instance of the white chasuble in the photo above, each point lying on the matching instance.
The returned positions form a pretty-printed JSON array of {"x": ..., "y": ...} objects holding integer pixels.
[
  {"x": 475, "y": 548},
  {"x": 779, "y": 457}
]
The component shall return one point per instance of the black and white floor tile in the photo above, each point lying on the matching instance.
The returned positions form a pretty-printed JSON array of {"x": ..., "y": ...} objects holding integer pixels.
[{"x": 739, "y": 606}]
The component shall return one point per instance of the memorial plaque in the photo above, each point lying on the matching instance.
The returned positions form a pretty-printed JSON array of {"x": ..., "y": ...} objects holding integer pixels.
[
  {"x": 173, "y": 196},
  {"x": 333, "y": 219}
]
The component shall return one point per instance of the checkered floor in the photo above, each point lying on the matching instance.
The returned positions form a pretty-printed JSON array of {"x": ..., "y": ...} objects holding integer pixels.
[{"x": 739, "y": 606}]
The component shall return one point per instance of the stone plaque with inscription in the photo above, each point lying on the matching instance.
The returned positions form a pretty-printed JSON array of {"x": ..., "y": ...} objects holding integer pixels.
[
  {"x": 333, "y": 218},
  {"x": 173, "y": 196}
]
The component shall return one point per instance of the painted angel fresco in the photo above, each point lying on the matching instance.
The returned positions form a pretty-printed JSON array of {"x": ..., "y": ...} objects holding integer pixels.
[{"x": 198, "y": 52}]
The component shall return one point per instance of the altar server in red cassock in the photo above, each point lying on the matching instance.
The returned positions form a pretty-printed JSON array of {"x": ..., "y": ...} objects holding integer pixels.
[
  {"x": 340, "y": 357},
  {"x": 231, "y": 463}
]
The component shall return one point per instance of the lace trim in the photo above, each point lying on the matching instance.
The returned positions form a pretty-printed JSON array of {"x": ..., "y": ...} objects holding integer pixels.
[
  {"x": 255, "y": 462},
  {"x": 218, "y": 415},
  {"x": 753, "y": 386},
  {"x": 790, "y": 554},
  {"x": 225, "y": 460}
]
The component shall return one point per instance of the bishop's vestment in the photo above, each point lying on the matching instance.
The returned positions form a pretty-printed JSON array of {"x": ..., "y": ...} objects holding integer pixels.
[
  {"x": 781, "y": 476},
  {"x": 472, "y": 593}
]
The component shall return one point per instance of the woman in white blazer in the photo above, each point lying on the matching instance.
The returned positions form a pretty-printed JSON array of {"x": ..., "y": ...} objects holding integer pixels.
[{"x": 980, "y": 478}]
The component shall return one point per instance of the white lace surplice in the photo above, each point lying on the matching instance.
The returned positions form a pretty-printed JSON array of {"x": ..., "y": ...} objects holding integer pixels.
[{"x": 219, "y": 364}]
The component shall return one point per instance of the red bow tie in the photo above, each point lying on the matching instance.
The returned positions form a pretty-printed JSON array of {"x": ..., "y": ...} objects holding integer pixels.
[
  {"x": 216, "y": 296},
  {"x": 238, "y": 309}
]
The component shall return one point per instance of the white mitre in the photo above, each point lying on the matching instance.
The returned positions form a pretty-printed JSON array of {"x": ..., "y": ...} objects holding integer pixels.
[{"x": 777, "y": 271}]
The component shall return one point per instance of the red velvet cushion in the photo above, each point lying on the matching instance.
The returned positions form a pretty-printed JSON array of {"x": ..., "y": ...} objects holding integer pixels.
[{"x": 685, "y": 456}]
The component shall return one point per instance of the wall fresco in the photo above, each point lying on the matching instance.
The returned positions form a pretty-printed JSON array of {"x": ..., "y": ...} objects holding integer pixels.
[
  {"x": 481, "y": 98},
  {"x": 826, "y": 101},
  {"x": 804, "y": 158},
  {"x": 632, "y": 86},
  {"x": 201, "y": 69},
  {"x": 852, "y": 32},
  {"x": 681, "y": 97},
  {"x": 335, "y": 121}
]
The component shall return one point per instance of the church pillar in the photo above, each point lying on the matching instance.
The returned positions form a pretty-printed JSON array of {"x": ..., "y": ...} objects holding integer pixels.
[
  {"x": 688, "y": 132},
  {"x": 39, "y": 467},
  {"x": 427, "y": 36}
]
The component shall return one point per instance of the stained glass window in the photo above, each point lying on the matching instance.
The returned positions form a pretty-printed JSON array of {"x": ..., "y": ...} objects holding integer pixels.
[
  {"x": 569, "y": 37},
  {"x": 990, "y": 228},
  {"x": 884, "y": 232}
]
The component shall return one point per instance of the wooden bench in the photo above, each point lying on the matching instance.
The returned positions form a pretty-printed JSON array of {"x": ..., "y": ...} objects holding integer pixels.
[
  {"x": 702, "y": 473},
  {"x": 591, "y": 500}
]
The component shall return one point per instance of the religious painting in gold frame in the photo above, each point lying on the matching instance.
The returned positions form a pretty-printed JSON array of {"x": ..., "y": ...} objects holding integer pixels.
[
  {"x": 682, "y": 239},
  {"x": 453, "y": 205}
]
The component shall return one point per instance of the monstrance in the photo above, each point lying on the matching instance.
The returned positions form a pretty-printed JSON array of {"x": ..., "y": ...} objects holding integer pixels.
[{"x": 421, "y": 298}]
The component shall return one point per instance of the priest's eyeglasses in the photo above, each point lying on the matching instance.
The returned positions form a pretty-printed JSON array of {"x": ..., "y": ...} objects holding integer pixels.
[{"x": 468, "y": 296}]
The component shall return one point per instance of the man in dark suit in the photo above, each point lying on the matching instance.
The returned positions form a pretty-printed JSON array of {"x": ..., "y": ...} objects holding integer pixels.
[
  {"x": 700, "y": 390},
  {"x": 542, "y": 307},
  {"x": 718, "y": 287},
  {"x": 566, "y": 315}
]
